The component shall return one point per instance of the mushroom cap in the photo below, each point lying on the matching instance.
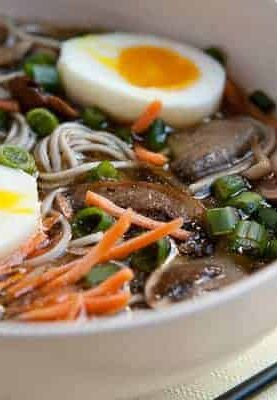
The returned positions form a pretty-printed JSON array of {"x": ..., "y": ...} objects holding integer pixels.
[{"x": 216, "y": 146}]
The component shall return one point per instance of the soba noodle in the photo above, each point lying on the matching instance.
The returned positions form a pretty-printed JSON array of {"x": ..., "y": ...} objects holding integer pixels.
[
  {"x": 19, "y": 133},
  {"x": 63, "y": 154}
]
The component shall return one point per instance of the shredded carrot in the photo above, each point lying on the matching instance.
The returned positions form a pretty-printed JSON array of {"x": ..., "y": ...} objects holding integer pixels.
[
  {"x": 84, "y": 265},
  {"x": 149, "y": 156},
  {"x": 9, "y": 105},
  {"x": 69, "y": 309},
  {"x": 126, "y": 248},
  {"x": 109, "y": 286},
  {"x": 146, "y": 239},
  {"x": 25, "y": 250},
  {"x": 51, "y": 313},
  {"x": 10, "y": 281},
  {"x": 112, "y": 284},
  {"x": 93, "y": 199},
  {"x": 71, "y": 273},
  {"x": 107, "y": 305},
  {"x": 147, "y": 117},
  {"x": 76, "y": 307},
  {"x": 57, "y": 296},
  {"x": 31, "y": 282}
]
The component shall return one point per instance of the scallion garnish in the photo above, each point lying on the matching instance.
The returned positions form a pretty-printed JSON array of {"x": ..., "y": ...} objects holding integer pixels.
[
  {"x": 267, "y": 216},
  {"x": 248, "y": 202},
  {"x": 151, "y": 257},
  {"x": 99, "y": 274},
  {"x": 40, "y": 58},
  {"x": 249, "y": 238},
  {"x": 42, "y": 121},
  {"x": 222, "y": 221},
  {"x": 228, "y": 186},
  {"x": 156, "y": 136},
  {"x": 217, "y": 54},
  {"x": 271, "y": 249},
  {"x": 262, "y": 101},
  {"x": 90, "y": 220},
  {"x": 45, "y": 75},
  {"x": 124, "y": 133},
  {"x": 104, "y": 171},
  {"x": 16, "y": 157},
  {"x": 94, "y": 118}
]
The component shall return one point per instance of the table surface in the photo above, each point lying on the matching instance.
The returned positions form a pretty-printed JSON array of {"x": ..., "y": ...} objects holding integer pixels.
[{"x": 208, "y": 386}]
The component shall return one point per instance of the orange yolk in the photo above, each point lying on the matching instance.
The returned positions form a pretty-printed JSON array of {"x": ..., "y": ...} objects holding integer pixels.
[{"x": 149, "y": 66}]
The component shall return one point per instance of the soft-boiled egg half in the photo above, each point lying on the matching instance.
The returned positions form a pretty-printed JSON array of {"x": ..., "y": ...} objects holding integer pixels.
[
  {"x": 122, "y": 73},
  {"x": 19, "y": 209}
]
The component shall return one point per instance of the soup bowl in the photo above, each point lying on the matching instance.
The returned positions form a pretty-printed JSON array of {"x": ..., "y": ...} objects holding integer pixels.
[{"x": 134, "y": 353}]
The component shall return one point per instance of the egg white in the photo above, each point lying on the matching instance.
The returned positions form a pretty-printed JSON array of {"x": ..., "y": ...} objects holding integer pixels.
[
  {"x": 17, "y": 227},
  {"x": 88, "y": 81}
]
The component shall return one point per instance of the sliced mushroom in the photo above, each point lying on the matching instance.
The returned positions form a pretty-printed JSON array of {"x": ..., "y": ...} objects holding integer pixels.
[
  {"x": 27, "y": 93},
  {"x": 217, "y": 146},
  {"x": 30, "y": 95},
  {"x": 61, "y": 107},
  {"x": 150, "y": 199},
  {"x": 268, "y": 189},
  {"x": 183, "y": 278}
]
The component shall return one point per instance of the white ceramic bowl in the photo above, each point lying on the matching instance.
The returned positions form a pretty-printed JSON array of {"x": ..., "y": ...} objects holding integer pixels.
[{"x": 132, "y": 354}]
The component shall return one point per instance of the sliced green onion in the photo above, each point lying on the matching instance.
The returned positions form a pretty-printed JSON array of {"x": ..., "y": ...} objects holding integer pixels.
[
  {"x": 268, "y": 217},
  {"x": 248, "y": 202},
  {"x": 90, "y": 220},
  {"x": 99, "y": 274},
  {"x": 149, "y": 258},
  {"x": 222, "y": 221},
  {"x": 228, "y": 186},
  {"x": 163, "y": 250},
  {"x": 94, "y": 118},
  {"x": 104, "y": 171},
  {"x": 42, "y": 121},
  {"x": 125, "y": 134},
  {"x": 249, "y": 238},
  {"x": 3, "y": 120},
  {"x": 18, "y": 158},
  {"x": 45, "y": 75},
  {"x": 271, "y": 249},
  {"x": 262, "y": 101},
  {"x": 217, "y": 54},
  {"x": 157, "y": 136},
  {"x": 38, "y": 59}
]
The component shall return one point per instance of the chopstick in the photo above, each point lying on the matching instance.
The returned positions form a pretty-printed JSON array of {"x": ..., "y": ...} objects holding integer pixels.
[{"x": 252, "y": 386}]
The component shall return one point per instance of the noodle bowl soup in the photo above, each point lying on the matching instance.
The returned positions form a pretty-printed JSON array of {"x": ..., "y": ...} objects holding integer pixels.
[{"x": 142, "y": 175}]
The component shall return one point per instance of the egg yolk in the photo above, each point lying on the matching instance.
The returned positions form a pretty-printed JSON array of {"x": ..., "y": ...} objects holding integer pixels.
[
  {"x": 155, "y": 67},
  {"x": 9, "y": 202}
]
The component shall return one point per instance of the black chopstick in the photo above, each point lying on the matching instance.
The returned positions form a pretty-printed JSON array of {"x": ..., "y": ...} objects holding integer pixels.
[{"x": 252, "y": 386}]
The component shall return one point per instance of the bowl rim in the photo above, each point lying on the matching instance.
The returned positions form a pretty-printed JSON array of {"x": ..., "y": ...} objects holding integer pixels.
[{"x": 128, "y": 321}]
